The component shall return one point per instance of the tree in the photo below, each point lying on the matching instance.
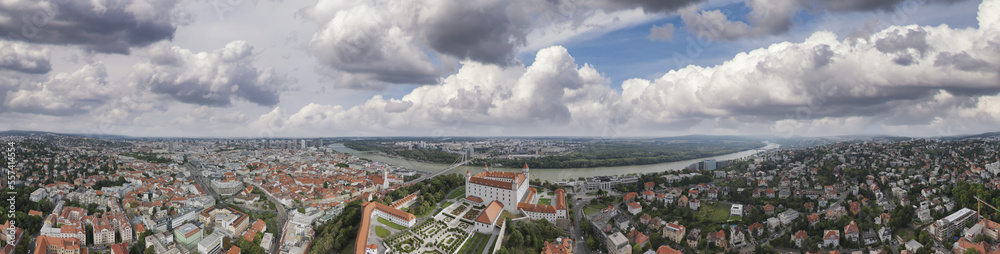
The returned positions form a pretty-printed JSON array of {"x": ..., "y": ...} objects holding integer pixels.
[
  {"x": 150, "y": 250},
  {"x": 226, "y": 243},
  {"x": 516, "y": 239},
  {"x": 924, "y": 238},
  {"x": 90, "y": 235},
  {"x": 636, "y": 249},
  {"x": 971, "y": 251}
]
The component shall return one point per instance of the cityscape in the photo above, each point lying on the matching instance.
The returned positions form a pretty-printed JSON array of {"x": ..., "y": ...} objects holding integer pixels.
[
  {"x": 500, "y": 126},
  {"x": 82, "y": 194}
]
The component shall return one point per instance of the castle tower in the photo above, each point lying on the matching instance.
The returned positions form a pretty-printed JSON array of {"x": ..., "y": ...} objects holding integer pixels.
[
  {"x": 525, "y": 171},
  {"x": 468, "y": 176}
]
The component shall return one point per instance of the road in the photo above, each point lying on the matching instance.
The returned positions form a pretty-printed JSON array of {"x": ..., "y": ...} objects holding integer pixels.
[
  {"x": 281, "y": 219},
  {"x": 576, "y": 234}
]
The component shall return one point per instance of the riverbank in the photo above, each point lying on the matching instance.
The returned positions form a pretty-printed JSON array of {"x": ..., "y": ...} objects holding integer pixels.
[{"x": 555, "y": 175}]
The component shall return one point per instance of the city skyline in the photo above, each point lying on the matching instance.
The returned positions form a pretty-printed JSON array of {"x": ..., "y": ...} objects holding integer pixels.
[{"x": 590, "y": 68}]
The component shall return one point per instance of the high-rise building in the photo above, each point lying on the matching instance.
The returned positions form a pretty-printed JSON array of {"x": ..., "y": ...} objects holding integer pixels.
[{"x": 303, "y": 144}]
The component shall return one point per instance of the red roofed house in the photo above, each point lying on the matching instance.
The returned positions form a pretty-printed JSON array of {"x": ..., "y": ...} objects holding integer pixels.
[
  {"x": 634, "y": 208},
  {"x": 629, "y": 196},
  {"x": 800, "y": 237},
  {"x": 559, "y": 246},
  {"x": 648, "y": 195},
  {"x": 718, "y": 238},
  {"x": 813, "y": 219},
  {"x": 831, "y": 238},
  {"x": 851, "y": 232},
  {"x": 638, "y": 237}
]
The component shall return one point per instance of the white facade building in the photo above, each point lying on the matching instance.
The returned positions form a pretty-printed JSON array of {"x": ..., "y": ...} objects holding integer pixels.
[{"x": 509, "y": 188}]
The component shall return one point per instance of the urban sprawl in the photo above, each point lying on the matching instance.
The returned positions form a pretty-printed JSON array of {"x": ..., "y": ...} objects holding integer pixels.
[{"x": 72, "y": 194}]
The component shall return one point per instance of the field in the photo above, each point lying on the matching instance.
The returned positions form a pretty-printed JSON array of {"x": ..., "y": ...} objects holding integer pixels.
[
  {"x": 544, "y": 201},
  {"x": 717, "y": 213},
  {"x": 381, "y": 232},
  {"x": 587, "y": 210},
  {"x": 390, "y": 224},
  {"x": 476, "y": 244}
]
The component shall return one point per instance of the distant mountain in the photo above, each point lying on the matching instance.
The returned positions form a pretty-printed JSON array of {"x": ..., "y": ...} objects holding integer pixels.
[
  {"x": 981, "y": 135},
  {"x": 22, "y": 133}
]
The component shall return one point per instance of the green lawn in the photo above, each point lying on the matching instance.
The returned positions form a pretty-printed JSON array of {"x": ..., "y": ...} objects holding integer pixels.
[
  {"x": 587, "y": 210},
  {"x": 457, "y": 194},
  {"x": 381, "y": 232},
  {"x": 544, "y": 201},
  {"x": 551, "y": 193},
  {"x": 447, "y": 204},
  {"x": 503, "y": 217},
  {"x": 390, "y": 224},
  {"x": 716, "y": 213},
  {"x": 476, "y": 244}
]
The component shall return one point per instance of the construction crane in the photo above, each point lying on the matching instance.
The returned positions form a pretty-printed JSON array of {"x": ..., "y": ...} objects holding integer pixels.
[{"x": 980, "y": 208}]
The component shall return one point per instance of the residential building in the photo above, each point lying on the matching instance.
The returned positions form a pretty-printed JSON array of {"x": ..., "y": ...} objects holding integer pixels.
[
  {"x": 559, "y": 246},
  {"x": 58, "y": 245},
  {"x": 831, "y": 238},
  {"x": 211, "y": 244},
  {"x": 674, "y": 232}
]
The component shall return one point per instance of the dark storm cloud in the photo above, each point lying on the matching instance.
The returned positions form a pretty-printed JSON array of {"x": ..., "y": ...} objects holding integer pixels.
[
  {"x": 872, "y": 5},
  {"x": 650, "y": 6},
  {"x": 487, "y": 33},
  {"x": 962, "y": 61},
  {"x": 896, "y": 42},
  {"x": 113, "y": 27}
]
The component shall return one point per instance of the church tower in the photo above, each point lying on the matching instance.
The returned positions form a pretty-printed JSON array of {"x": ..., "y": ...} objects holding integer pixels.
[{"x": 385, "y": 178}]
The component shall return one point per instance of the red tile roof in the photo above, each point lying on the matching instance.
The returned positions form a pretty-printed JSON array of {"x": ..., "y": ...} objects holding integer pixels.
[{"x": 490, "y": 213}]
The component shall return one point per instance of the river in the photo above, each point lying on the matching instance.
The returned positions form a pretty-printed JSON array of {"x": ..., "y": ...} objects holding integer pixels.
[{"x": 558, "y": 174}]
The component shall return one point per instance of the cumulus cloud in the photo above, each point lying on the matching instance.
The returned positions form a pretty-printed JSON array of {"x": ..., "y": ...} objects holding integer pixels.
[
  {"x": 776, "y": 17},
  {"x": 869, "y": 5},
  {"x": 554, "y": 91},
  {"x": 63, "y": 94},
  {"x": 372, "y": 44},
  {"x": 102, "y": 26},
  {"x": 646, "y": 5},
  {"x": 662, "y": 33},
  {"x": 204, "y": 116},
  {"x": 766, "y": 18},
  {"x": 804, "y": 88},
  {"x": 209, "y": 78},
  {"x": 24, "y": 58}
]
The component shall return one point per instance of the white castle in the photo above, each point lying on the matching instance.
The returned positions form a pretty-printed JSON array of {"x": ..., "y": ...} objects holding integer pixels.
[{"x": 508, "y": 188}]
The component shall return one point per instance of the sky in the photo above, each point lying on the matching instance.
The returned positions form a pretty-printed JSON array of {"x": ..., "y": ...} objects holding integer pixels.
[{"x": 597, "y": 68}]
